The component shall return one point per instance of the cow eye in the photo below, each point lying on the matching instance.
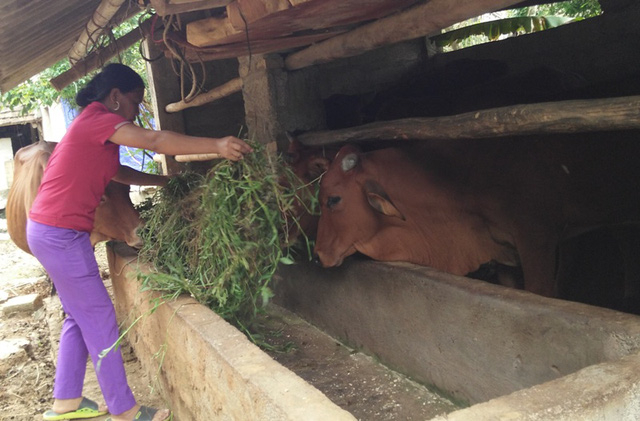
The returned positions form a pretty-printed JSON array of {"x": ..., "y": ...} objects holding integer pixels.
[{"x": 333, "y": 200}]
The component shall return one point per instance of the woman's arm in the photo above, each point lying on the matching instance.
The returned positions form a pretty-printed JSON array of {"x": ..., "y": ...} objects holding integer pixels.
[
  {"x": 127, "y": 175},
  {"x": 172, "y": 143}
]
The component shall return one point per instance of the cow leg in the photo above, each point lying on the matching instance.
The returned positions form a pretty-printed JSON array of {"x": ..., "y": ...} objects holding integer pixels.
[{"x": 510, "y": 276}]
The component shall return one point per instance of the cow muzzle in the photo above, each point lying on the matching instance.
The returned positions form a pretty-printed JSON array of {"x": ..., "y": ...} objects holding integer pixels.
[
  {"x": 134, "y": 240},
  {"x": 327, "y": 261}
]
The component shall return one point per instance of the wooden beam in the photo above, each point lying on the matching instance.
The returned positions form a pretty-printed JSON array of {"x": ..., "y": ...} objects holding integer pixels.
[
  {"x": 173, "y": 7},
  {"x": 94, "y": 28},
  {"x": 414, "y": 22},
  {"x": 224, "y": 90},
  {"x": 97, "y": 58},
  {"x": 241, "y": 49},
  {"x": 543, "y": 118},
  {"x": 252, "y": 20}
]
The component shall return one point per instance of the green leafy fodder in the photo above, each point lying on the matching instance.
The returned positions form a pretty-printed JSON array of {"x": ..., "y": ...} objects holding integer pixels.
[{"x": 220, "y": 237}]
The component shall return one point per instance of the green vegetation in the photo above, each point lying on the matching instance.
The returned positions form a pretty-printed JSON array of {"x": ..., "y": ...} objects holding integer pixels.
[
  {"x": 498, "y": 25},
  {"x": 220, "y": 237}
]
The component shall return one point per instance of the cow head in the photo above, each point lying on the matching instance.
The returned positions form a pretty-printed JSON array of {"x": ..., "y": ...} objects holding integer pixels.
[
  {"x": 116, "y": 218},
  {"x": 308, "y": 164},
  {"x": 354, "y": 207}
]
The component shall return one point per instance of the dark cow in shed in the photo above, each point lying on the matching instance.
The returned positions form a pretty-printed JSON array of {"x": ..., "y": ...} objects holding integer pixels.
[
  {"x": 455, "y": 205},
  {"x": 308, "y": 164},
  {"x": 115, "y": 218}
]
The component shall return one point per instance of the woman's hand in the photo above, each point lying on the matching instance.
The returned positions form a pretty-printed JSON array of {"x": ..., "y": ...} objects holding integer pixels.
[{"x": 232, "y": 148}]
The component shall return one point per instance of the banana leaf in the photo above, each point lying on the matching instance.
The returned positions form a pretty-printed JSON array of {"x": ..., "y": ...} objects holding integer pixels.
[{"x": 494, "y": 29}]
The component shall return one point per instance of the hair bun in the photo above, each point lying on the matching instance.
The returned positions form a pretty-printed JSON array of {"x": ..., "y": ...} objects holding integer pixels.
[
  {"x": 114, "y": 75},
  {"x": 85, "y": 96}
]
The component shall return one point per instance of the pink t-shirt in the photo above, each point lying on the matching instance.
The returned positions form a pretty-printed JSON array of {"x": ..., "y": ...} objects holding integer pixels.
[{"x": 79, "y": 169}]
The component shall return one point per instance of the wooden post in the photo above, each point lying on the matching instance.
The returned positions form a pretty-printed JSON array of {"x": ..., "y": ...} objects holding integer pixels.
[
  {"x": 276, "y": 101},
  {"x": 542, "y": 118},
  {"x": 259, "y": 75},
  {"x": 164, "y": 86}
]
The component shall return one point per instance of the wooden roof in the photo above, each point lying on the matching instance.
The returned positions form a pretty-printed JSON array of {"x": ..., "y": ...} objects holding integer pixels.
[
  {"x": 261, "y": 26},
  {"x": 36, "y": 34}
]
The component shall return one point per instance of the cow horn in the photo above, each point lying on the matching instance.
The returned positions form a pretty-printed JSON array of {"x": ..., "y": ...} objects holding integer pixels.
[
  {"x": 290, "y": 137},
  {"x": 349, "y": 161}
]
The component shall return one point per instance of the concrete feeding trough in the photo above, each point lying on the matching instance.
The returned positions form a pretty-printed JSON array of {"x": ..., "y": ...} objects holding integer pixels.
[{"x": 503, "y": 353}]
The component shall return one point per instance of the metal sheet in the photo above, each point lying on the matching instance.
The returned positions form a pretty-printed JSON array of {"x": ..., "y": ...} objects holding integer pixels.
[{"x": 36, "y": 34}]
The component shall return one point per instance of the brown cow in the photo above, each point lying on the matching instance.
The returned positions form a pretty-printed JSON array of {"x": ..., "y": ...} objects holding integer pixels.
[
  {"x": 115, "y": 218},
  {"x": 454, "y": 205}
]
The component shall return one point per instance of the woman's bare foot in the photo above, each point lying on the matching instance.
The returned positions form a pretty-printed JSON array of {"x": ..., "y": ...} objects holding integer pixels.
[
  {"x": 129, "y": 415},
  {"x": 67, "y": 405}
]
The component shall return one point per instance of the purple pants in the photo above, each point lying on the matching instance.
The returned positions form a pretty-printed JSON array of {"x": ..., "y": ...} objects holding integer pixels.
[{"x": 90, "y": 325}]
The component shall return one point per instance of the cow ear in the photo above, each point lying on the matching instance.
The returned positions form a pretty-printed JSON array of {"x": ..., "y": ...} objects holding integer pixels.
[
  {"x": 380, "y": 201},
  {"x": 292, "y": 139},
  {"x": 317, "y": 167}
]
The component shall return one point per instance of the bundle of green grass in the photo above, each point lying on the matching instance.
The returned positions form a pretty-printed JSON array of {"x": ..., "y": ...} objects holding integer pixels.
[{"x": 220, "y": 237}]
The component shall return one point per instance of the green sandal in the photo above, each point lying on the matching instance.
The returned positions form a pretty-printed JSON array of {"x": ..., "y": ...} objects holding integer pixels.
[
  {"x": 144, "y": 414},
  {"x": 87, "y": 409}
]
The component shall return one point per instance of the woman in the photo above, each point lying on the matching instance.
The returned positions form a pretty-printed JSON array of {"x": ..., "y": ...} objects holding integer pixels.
[{"x": 58, "y": 234}]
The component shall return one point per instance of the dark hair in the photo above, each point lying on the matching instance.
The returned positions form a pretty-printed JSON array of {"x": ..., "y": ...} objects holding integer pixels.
[{"x": 114, "y": 75}]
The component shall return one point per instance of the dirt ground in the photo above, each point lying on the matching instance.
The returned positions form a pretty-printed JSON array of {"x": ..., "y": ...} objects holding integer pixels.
[{"x": 26, "y": 382}]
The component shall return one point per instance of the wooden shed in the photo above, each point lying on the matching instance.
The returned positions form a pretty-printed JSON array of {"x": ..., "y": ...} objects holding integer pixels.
[{"x": 336, "y": 71}]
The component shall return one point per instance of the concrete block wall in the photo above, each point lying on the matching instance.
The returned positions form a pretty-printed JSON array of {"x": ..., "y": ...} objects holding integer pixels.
[
  {"x": 204, "y": 367},
  {"x": 515, "y": 355},
  {"x": 473, "y": 340}
]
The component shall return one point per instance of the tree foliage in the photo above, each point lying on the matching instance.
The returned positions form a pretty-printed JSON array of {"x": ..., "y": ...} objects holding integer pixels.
[{"x": 494, "y": 26}]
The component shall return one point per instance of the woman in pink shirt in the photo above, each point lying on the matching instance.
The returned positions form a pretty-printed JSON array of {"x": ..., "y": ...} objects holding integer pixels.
[{"x": 61, "y": 219}]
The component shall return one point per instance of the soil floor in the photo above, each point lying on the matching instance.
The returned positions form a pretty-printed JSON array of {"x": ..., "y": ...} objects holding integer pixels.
[
  {"x": 350, "y": 379},
  {"x": 26, "y": 377}
]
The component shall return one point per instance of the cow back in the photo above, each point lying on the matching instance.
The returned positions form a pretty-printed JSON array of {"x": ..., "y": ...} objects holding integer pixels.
[
  {"x": 115, "y": 218},
  {"x": 29, "y": 165}
]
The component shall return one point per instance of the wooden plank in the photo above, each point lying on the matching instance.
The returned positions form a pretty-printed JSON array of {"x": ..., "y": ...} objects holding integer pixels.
[
  {"x": 200, "y": 33},
  {"x": 306, "y": 16},
  {"x": 164, "y": 87},
  {"x": 245, "y": 12},
  {"x": 543, "y": 118},
  {"x": 241, "y": 49},
  {"x": 415, "y": 22},
  {"x": 173, "y": 7}
]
